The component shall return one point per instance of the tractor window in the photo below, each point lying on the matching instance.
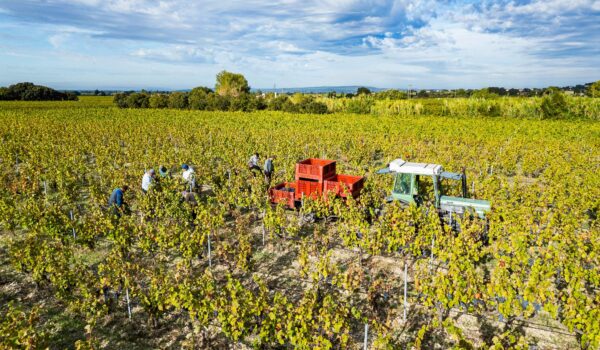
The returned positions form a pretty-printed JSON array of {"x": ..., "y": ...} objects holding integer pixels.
[{"x": 402, "y": 184}]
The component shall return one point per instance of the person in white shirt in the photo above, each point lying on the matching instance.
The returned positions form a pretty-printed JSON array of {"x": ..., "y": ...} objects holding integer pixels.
[
  {"x": 147, "y": 180},
  {"x": 253, "y": 163},
  {"x": 188, "y": 175}
]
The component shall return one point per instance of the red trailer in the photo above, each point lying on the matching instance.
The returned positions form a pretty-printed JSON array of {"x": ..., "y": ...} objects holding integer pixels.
[
  {"x": 316, "y": 178},
  {"x": 344, "y": 185}
]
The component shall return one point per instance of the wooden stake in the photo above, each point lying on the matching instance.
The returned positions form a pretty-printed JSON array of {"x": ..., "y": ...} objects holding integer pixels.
[
  {"x": 366, "y": 336},
  {"x": 209, "y": 257},
  {"x": 128, "y": 302},
  {"x": 73, "y": 227},
  {"x": 405, "y": 289},
  {"x": 263, "y": 227},
  {"x": 432, "y": 246}
]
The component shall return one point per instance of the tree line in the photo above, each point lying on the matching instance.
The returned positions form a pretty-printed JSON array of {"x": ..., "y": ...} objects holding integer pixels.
[
  {"x": 31, "y": 92},
  {"x": 589, "y": 89},
  {"x": 231, "y": 93}
]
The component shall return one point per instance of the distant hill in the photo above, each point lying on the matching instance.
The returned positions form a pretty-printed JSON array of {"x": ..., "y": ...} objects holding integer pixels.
[{"x": 319, "y": 89}]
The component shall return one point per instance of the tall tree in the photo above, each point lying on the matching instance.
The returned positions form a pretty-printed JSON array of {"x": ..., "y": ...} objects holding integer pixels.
[
  {"x": 363, "y": 91},
  {"x": 231, "y": 84}
]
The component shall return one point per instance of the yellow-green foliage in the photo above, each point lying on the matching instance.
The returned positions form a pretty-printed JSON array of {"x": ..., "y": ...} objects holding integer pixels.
[
  {"x": 508, "y": 107},
  {"x": 541, "y": 176}
]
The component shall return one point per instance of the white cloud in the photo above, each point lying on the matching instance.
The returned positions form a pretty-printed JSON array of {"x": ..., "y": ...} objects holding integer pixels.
[{"x": 293, "y": 42}]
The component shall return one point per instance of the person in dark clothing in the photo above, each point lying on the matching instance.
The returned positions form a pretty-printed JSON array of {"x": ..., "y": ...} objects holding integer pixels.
[
  {"x": 116, "y": 203},
  {"x": 164, "y": 172},
  {"x": 269, "y": 169}
]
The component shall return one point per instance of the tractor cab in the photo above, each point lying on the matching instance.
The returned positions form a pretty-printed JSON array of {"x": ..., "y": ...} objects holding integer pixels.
[{"x": 426, "y": 183}]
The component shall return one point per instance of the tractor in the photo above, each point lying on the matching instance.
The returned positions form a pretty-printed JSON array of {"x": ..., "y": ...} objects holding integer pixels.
[{"x": 414, "y": 181}]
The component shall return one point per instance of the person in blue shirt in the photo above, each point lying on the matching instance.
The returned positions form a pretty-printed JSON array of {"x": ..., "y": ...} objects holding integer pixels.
[{"x": 116, "y": 202}]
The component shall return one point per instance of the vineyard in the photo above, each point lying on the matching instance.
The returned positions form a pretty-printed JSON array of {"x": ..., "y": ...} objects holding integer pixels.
[{"x": 233, "y": 271}]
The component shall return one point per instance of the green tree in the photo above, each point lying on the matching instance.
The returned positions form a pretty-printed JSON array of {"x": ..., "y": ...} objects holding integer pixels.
[
  {"x": 217, "y": 103},
  {"x": 313, "y": 107},
  {"x": 278, "y": 103},
  {"x": 554, "y": 104},
  {"x": 594, "y": 89},
  {"x": 159, "y": 101},
  {"x": 299, "y": 98},
  {"x": 484, "y": 93},
  {"x": 231, "y": 84},
  {"x": 178, "y": 100},
  {"x": 390, "y": 95},
  {"x": 138, "y": 100},
  {"x": 244, "y": 102},
  {"x": 363, "y": 91},
  {"x": 30, "y": 92},
  {"x": 198, "y": 98},
  {"x": 360, "y": 105}
]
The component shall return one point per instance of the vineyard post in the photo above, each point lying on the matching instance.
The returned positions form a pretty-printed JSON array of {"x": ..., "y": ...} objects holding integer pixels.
[
  {"x": 366, "y": 336},
  {"x": 263, "y": 227},
  {"x": 73, "y": 227},
  {"x": 209, "y": 257},
  {"x": 45, "y": 189},
  {"x": 405, "y": 288},
  {"x": 128, "y": 302},
  {"x": 432, "y": 246},
  {"x": 473, "y": 188}
]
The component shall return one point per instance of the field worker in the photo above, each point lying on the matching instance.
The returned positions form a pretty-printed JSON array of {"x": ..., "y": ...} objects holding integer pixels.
[
  {"x": 269, "y": 168},
  {"x": 188, "y": 175},
  {"x": 116, "y": 202},
  {"x": 147, "y": 180},
  {"x": 253, "y": 163},
  {"x": 189, "y": 198},
  {"x": 163, "y": 172}
]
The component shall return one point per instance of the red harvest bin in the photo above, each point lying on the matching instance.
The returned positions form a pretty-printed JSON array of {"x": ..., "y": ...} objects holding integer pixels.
[
  {"x": 341, "y": 185},
  {"x": 315, "y": 169},
  {"x": 283, "y": 193},
  {"x": 308, "y": 188}
]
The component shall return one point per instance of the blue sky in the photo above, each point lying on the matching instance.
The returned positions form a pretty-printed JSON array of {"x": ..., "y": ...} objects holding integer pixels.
[{"x": 122, "y": 44}]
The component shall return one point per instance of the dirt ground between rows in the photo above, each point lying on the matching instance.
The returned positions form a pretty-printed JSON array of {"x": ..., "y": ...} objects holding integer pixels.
[{"x": 277, "y": 265}]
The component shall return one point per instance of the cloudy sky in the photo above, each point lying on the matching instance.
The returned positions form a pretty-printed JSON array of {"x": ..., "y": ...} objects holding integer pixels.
[{"x": 176, "y": 44}]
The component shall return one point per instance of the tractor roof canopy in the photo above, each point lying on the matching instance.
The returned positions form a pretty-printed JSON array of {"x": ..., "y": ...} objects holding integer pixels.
[
  {"x": 400, "y": 166},
  {"x": 403, "y": 167}
]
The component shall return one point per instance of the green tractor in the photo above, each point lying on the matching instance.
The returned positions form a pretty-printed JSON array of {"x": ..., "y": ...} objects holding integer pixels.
[{"x": 414, "y": 182}]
